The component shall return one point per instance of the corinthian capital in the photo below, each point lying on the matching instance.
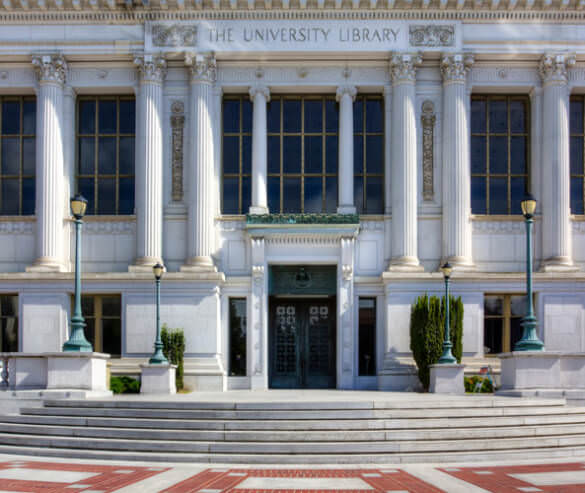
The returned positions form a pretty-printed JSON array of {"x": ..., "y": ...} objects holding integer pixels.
[
  {"x": 259, "y": 89},
  {"x": 50, "y": 68},
  {"x": 351, "y": 91},
  {"x": 454, "y": 67},
  {"x": 553, "y": 67},
  {"x": 403, "y": 67},
  {"x": 203, "y": 67},
  {"x": 152, "y": 68}
]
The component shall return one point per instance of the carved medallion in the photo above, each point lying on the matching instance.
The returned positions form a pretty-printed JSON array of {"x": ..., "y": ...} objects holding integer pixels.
[
  {"x": 174, "y": 35},
  {"x": 432, "y": 35}
]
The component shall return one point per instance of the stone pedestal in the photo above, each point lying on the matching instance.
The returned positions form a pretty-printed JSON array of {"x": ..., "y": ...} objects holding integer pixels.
[
  {"x": 530, "y": 370},
  {"x": 447, "y": 379},
  {"x": 86, "y": 371},
  {"x": 158, "y": 378}
]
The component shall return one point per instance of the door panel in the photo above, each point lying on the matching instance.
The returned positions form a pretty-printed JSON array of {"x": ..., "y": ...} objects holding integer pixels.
[{"x": 302, "y": 343}]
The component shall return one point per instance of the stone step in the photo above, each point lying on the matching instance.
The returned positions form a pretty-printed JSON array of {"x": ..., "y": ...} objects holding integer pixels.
[
  {"x": 419, "y": 403},
  {"x": 302, "y": 414},
  {"x": 223, "y": 449},
  {"x": 293, "y": 436}
]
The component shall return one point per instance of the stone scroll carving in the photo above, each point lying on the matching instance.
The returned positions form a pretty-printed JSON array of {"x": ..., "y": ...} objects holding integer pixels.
[
  {"x": 177, "y": 126},
  {"x": 432, "y": 35},
  {"x": 174, "y": 35},
  {"x": 428, "y": 119}
]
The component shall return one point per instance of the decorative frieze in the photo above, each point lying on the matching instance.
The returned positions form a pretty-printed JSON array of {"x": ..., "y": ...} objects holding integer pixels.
[
  {"x": 177, "y": 126},
  {"x": 203, "y": 67},
  {"x": 499, "y": 227},
  {"x": 553, "y": 67},
  {"x": 173, "y": 36},
  {"x": 432, "y": 35},
  {"x": 152, "y": 68},
  {"x": 17, "y": 227},
  {"x": 503, "y": 73},
  {"x": 428, "y": 119},
  {"x": 109, "y": 227},
  {"x": 403, "y": 67},
  {"x": 455, "y": 67},
  {"x": 302, "y": 218},
  {"x": 50, "y": 68}
]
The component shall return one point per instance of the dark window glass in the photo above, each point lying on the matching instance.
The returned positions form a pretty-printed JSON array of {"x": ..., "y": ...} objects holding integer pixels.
[
  {"x": 105, "y": 153},
  {"x": 237, "y": 337},
  {"x": 500, "y": 145},
  {"x": 367, "y": 336},
  {"x": 17, "y": 155},
  {"x": 503, "y": 322},
  {"x": 368, "y": 151},
  {"x": 302, "y": 154},
  {"x": 236, "y": 155},
  {"x": 103, "y": 316},
  {"x": 577, "y": 154},
  {"x": 9, "y": 323}
]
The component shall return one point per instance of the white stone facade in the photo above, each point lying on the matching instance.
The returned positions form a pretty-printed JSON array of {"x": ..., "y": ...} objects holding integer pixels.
[{"x": 180, "y": 57}]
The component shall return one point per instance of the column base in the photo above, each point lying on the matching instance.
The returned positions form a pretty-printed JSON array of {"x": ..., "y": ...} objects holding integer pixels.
[
  {"x": 460, "y": 264},
  {"x": 558, "y": 264},
  {"x": 258, "y": 209},
  {"x": 144, "y": 264},
  {"x": 346, "y": 209},
  {"x": 199, "y": 264},
  {"x": 405, "y": 264},
  {"x": 46, "y": 264}
]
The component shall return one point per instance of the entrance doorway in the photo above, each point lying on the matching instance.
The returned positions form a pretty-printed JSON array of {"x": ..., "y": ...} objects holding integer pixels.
[{"x": 302, "y": 342}]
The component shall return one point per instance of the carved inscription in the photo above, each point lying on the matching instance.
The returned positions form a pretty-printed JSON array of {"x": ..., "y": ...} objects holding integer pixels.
[
  {"x": 428, "y": 119},
  {"x": 177, "y": 125}
]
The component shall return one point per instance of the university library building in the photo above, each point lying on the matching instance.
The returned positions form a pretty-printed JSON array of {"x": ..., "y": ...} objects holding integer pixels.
[{"x": 302, "y": 168}]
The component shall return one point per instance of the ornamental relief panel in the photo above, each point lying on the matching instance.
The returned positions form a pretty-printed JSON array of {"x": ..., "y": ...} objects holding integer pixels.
[
  {"x": 177, "y": 126},
  {"x": 504, "y": 74},
  {"x": 428, "y": 119},
  {"x": 173, "y": 36},
  {"x": 432, "y": 35}
]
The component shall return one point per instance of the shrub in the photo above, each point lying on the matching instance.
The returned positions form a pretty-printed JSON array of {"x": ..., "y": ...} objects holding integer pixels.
[
  {"x": 427, "y": 325},
  {"x": 174, "y": 349},
  {"x": 124, "y": 385},
  {"x": 471, "y": 382}
]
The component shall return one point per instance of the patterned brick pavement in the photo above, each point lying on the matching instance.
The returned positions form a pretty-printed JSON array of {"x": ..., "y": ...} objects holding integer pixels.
[{"x": 62, "y": 477}]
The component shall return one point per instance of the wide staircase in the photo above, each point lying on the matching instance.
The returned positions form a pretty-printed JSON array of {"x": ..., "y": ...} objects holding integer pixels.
[{"x": 419, "y": 428}]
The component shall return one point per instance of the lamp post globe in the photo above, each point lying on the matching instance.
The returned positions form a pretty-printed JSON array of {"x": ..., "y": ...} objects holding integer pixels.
[
  {"x": 77, "y": 340},
  {"x": 447, "y": 356},
  {"x": 530, "y": 340},
  {"x": 158, "y": 357}
]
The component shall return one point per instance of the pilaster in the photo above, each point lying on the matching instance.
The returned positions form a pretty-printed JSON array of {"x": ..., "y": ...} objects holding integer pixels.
[
  {"x": 346, "y": 96},
  {"x": 51, "y": 71},
  {"x": 456, "y": 179},
  {"x": 345, "y": 344},
  {"x": 200, "y": 228},
  {"x": 149, "y": 162},
  {"x": 258, "y": 327},
  {"x": 557, "y": 236},
  {"x": 404, "y": 162},
  {"x": 387, "y": 172},
  {"x": 260, "y": 95}
]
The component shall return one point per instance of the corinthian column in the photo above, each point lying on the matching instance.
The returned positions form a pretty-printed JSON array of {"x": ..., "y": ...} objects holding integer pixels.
[
  {"x": 201, "y": 211},
  {"x": 260, "y": 95},
  {"x": 149, "y": 159},
  {"x": 456, "y": 168},
  {"x": 557, "y": 241},
  {"x": 50, "y": 211},
  {"x": 404, "y": 162},
  {"x": 345, "y": 97}
]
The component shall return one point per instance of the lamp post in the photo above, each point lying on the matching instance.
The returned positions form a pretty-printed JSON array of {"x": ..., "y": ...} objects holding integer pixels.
[
  {"x": 158, "y": 357},
  {"x": 530, "y": 340},
  {"x": 447, "y": 356},
  {"x": 77, "y": 340}
]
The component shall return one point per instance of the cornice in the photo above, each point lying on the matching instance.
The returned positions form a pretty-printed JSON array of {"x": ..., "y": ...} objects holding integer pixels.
[{"x": 98, "y": 12}]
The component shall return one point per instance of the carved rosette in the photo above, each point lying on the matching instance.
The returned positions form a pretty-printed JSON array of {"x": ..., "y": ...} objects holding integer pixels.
[
  {"x": 432, "y": 35},
  {"x": 403, "y": 67},
  {"x": 173, "y": 36},
  {"x": 259, "y": 89},
  {"x": 553, "y": 67},
  {"x": 177, "y": 126},
  {"x": 351, "y": 91},
  {"x": 428, "y": 119},
  {"x": 152, "y": 68},
  {"x": 50, "y": 68},
  {"x": 455, "y": 67},
  {"x": 203, "y": 67}
]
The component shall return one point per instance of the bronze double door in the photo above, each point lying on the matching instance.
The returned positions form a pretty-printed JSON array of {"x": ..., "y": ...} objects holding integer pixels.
[{"x": 302, "y": 343}]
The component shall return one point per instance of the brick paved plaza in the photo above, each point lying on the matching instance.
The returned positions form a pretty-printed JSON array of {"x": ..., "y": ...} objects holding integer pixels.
[{"x": 19, "y": 474}]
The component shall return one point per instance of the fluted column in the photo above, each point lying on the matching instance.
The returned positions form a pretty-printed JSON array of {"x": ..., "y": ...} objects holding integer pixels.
[
  {"x": 260, "y": 95},
  {"x": 345, "y": 97},
  {"x": 201, "y": 162},
  {"x": 149, "y": 161},
  {"x": 51, "y": 73},
  {"x": 404, "y": 162},
  {"x": 456, "y": 181},
  {"x": 557, "y": 240}
]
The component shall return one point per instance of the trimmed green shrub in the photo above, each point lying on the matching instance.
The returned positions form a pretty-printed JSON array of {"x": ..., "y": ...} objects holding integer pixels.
[
  {"x": 471, "y": 382},
  {"x": 124, "y": 385},
  {"x": 427, "y": 326},
  {"x": 174, "y": 350}
]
